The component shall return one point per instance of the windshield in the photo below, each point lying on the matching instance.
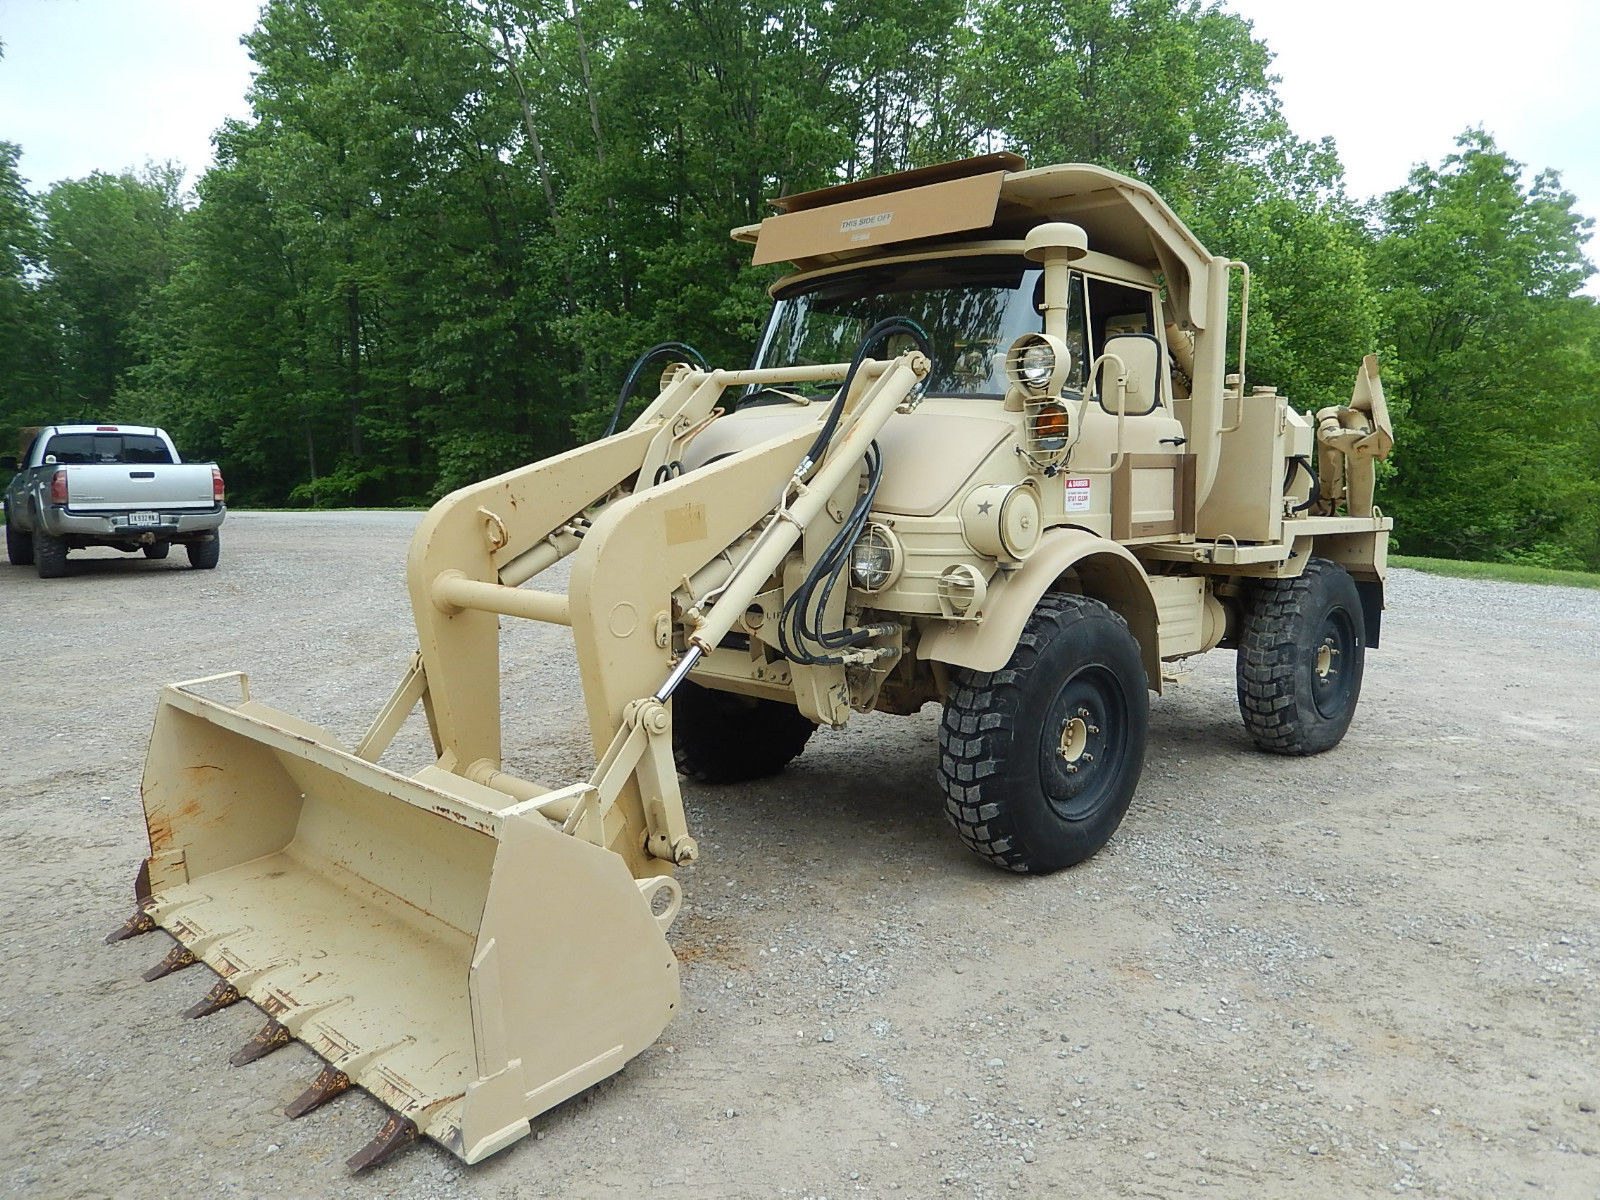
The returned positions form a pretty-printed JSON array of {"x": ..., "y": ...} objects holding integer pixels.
[{"x": 971, "y": 308}]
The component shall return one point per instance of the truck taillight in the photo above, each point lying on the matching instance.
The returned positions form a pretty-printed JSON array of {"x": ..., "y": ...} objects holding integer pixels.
[
  {"x": 216, "y": 485},
  {"x": 58, "y": 488}
]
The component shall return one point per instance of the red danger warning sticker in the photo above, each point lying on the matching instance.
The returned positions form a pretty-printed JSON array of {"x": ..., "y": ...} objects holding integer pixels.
[{"x": 1077, "y": 494}]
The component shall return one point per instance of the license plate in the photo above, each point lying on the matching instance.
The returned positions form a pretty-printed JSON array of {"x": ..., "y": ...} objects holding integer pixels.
[{"x": 144, "y": 518}]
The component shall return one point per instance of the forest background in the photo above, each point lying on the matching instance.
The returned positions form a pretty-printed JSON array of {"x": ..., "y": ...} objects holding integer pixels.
[{"x": 450, "y": 225}]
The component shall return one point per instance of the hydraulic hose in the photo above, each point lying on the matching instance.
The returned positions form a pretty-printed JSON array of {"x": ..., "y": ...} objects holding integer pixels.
[
  {"x": 873, "y": 336},
  {"x": 639, "y": 364}
]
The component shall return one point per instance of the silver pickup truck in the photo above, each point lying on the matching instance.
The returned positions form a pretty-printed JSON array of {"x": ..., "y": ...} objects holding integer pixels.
[{"x": 122, "y": 486}]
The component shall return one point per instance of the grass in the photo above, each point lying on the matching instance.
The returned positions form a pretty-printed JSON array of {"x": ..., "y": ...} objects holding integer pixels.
[{"x": 1503, "y": 572}]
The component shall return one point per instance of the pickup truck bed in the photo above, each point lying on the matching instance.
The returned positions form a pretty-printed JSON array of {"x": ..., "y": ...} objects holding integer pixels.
[{"x": 121, "y": 486}]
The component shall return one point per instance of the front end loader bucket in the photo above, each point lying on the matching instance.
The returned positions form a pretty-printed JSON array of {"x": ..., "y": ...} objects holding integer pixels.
[{"x": 440, "y": 944}]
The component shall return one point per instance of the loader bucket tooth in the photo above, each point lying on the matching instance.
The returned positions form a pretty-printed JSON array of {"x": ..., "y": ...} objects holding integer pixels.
[
  {"x": 140, "y": 922},
  {"x": 323, "y": 1088},
  {"x": 217, "y": 998},
  {"x": 177, "y": 959},
  {"x": 397, "y": 1131},
  {"x": 271, "y": 1036}
]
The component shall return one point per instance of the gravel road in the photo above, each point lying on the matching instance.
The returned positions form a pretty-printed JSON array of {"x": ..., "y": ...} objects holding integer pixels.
[{"x": 1369, "y": 973}]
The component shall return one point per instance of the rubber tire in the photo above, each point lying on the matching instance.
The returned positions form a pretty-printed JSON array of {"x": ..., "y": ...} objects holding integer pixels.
[
  {"x": 1288, "y": 707},
  {"x": 1007, "y": 794},
  {"x": 720, "y": 737},
  {"x": 49, "y": 555},
  {"x": 157, "y": 550},
  {"x": 19, "y": 547},
  {"x": 203, "y": 555}
]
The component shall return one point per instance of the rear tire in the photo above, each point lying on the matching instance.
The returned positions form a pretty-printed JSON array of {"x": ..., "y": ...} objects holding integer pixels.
[
  {"x": 720, "y": 737},
  {"x": 49, "y": 555},
  {"x": 203, "y": 555},
  {"x": 1302, "y": 652},
  {"x": 157, "y": 549},
  {"x": 1039, "y": 759},
  {"x": 19, "y": 546}
]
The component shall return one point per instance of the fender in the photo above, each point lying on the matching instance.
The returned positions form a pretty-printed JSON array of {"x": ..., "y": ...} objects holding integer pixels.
[{"x": 1104, "y": 570}]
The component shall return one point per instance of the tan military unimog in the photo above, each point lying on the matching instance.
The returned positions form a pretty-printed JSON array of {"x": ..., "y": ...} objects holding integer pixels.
[{"x": 990, "y": 456}]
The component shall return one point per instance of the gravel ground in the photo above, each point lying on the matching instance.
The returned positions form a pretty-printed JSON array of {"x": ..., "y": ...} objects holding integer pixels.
[{"x": 1370, "y": 973}]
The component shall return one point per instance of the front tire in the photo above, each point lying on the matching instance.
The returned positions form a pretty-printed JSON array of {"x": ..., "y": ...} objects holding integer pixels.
[
  {"x": 721, "y": 737},
  {"x": 203, "y": 555},
  {"x": 1040, "y": 759},
  {"x": 19, "y": 546},
  {"x": 1302, "y": 653},
  {"x": 49, "y": 555},
  {"x": 157, "y": 550}
]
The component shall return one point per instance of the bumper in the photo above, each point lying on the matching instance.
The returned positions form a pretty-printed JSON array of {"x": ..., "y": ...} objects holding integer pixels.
[{"x": 118, "y": 529}]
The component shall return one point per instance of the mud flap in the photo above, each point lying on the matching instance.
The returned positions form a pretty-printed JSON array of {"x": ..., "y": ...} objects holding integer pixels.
[{"x": 441, "y": 945}]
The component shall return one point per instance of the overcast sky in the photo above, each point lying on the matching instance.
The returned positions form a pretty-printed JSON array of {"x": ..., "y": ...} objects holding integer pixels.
[{"x": 106, "y": 84}]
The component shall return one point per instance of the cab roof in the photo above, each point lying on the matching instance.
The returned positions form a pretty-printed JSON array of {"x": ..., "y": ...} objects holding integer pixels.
[{"x": 993, "y": 197}]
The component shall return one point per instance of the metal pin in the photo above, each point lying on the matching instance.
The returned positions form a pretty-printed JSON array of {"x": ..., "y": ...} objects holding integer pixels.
[
  {"x": 177, "y": 958},
  {"x": 272, "y": 1036},
  {"x": 217, "y": 998},
  {"x": 323, "y": 1088},
  {"x": 397, "y": 1131}
]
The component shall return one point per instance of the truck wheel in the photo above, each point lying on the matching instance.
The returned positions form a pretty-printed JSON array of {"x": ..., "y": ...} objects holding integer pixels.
[
  {"x": 1301, "y": 654},
  {"x": 157, "y": 549},
  {"x": 49, "y": 555},
  {"x": 203, "y": 555},
  {"x": 1039, "y": 760},
  {"x": 19, "y": 546},
  {"x": 720, "y": 737}
]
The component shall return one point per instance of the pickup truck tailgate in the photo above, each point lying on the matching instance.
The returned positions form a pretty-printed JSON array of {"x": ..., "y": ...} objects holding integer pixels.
[{"x": 118, "y": 487}]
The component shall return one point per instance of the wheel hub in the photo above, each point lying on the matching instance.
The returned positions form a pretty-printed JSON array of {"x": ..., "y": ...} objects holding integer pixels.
[
  {"x": 1326, "y": 654},
  {"x": 1339, "y": 647},
  {"x": 1074, "y": 737},
  {"x": 1082, "y": 743},
  {"x": 1074, "y": 741}
]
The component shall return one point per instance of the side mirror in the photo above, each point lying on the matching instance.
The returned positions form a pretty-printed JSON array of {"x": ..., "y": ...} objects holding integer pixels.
[
  {"x": 8, "y": 462},
  {"x": 1141, "y": 356}
]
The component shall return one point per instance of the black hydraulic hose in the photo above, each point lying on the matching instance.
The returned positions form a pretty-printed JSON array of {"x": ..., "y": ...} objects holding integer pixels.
[
  {"x": 873, "y": 336},
  {"x": 632, "y": 380},
  {"x": 801, "y": 619},
  {"x": 1315, "y": 495}
]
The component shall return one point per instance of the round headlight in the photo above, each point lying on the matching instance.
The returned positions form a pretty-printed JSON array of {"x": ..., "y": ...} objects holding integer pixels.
[
  {"x": 1038, "y": 363},
  {"x": 876, "y": 558}
]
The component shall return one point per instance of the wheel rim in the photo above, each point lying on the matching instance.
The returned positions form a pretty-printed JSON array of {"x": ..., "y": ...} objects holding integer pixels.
[
  {"x": 1333, "y": 660},
  {"x": 1083, "y": 743}
]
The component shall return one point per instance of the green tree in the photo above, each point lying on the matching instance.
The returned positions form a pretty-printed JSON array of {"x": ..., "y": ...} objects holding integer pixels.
[
  {"x": 108, "y": 244},
  {"x": 29, "y": 371},
  {"x": 1478, "y": 273}
]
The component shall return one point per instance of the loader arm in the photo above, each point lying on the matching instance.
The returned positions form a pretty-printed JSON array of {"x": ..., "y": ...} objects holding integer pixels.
[{"x": 636, "y": 552}]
